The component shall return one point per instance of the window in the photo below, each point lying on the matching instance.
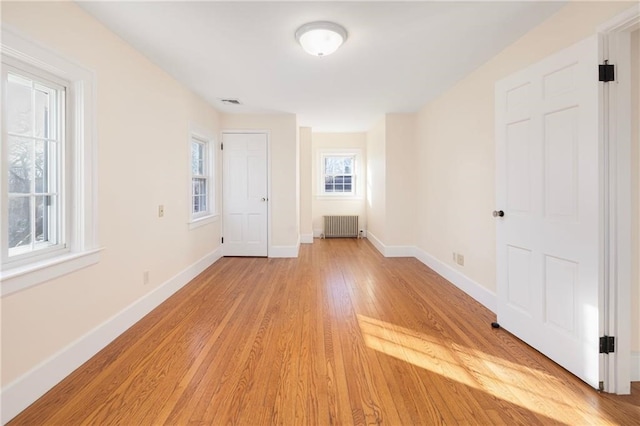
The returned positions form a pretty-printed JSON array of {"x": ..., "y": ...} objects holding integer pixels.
[
  {"x": 199, "y": 177},
  {"x": 47, "y": 169},
  {"x": 35, "y": 138},
  {"x": 338, "y": 174},
  {"x": 202, "y": 183}
]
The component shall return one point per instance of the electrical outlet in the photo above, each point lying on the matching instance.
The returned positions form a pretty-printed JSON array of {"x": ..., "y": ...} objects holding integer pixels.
[
  {"x": 460, "y": 259},
  {"x": 160, "y": 210},
  {"x": 145, "y": 277}
]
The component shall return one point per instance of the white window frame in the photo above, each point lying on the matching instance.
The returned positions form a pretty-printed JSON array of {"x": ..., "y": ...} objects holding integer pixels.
[
  {"x": 37, "y": 251},
  {"x": 355, "y": 193},
  {"x": 79, "y": 183},
  {"x": 196, "y": 220}
]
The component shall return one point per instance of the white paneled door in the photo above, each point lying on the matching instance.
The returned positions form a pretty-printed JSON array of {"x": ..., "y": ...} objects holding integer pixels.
[
  {"x": 547, "y": 154},
  {"x": 245, "y": 196}
]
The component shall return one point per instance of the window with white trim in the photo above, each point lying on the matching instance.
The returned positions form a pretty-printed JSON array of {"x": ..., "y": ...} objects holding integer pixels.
[
  {"x": 35, "y": 139},
  {"x": 338, "y": 175},
  {"x": 48, "y": 184},
  {"x": 202, "y": 201}
]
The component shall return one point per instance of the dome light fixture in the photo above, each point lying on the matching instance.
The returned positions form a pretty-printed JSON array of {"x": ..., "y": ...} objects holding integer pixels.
[{"x": 321, "y": 38}]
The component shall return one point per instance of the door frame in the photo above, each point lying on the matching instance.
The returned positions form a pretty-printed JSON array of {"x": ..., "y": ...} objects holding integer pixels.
[
  {"x": 615, "y": 133},
  {"x": 267, "y": 133}
]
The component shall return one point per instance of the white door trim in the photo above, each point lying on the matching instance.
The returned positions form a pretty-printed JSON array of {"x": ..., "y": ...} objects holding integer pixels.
[
  {"x": 615, "y": 125},
  {"x": 267, "y": 133}
]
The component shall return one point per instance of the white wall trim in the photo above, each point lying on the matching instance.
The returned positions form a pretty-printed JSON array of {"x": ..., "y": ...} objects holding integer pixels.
[
  {"x": 457, "y": 278},
  {"x": 391, "y": 251},
  {"x": 17, "y": 279},
  {"x": 306, "y": 238},
  {"x": 377, "y": 243},
  {"x": 615, "y": 130},
  {"x": 635, "y": 366},
  {"x": 80, "y": 218},
  {"x": 285, "y": 251},
  {"x": 23, "y": 391},
  {"x": 400, "y": 251}
]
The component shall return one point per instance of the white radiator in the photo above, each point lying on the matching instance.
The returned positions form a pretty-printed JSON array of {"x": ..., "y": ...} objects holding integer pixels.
[{"x": 340, "y": 226}]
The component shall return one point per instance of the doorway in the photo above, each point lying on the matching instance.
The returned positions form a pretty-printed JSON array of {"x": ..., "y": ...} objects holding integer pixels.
[{"x": 245, "y": 194}]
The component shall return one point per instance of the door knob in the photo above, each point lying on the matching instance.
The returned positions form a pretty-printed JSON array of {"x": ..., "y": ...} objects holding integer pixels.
[
  {"x": 264, "y": 199},
  {"x": 498, "y": 213}
]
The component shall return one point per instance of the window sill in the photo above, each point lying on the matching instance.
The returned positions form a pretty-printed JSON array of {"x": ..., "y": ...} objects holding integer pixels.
[
  {"x": 23, "y": 277},
  {"x": 201, "y": 221},
  {"x": 339, "y": 197}
]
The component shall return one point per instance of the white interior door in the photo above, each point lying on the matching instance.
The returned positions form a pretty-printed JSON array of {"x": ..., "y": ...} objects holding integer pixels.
[
  {"x": 245, "y": 194},
  {"x": 548, "y": 249}
]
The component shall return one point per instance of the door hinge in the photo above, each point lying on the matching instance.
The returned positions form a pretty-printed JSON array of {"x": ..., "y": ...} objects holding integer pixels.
[
  {"x": 221, "y": 146},
  {"x": 606, "y": 72},
  {"x": 222, "y": 240},
  {"x": 607, "y": 344}
]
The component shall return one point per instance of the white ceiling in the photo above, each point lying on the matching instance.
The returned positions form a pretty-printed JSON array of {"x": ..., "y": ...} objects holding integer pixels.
[{"x": 398, "y": 56}]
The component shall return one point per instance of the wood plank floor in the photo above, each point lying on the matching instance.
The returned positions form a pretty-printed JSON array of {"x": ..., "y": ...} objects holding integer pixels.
[{"x": 338, "y": 336}]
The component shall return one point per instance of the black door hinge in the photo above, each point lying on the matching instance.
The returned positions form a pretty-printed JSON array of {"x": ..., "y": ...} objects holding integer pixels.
[
  {"x": 607, "y": 72},
  {"x": 221, "y": 146},
  {"x": 222, "y": 240},
  {"x": 607, "y": 344}
]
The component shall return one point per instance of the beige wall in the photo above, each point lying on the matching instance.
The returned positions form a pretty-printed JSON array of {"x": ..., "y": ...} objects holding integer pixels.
[
  {"x": 635, "y": 171},
  {"x": 376, "y": 180},
  {"x": 143, "y": 118},
  {"x": 283, "y": 144},
  {"x": 456, "y": 150},
  {"x": 401, "y": 181},
  {"x": 338, "y": 206},
  {"x": 306, "y": 182}
]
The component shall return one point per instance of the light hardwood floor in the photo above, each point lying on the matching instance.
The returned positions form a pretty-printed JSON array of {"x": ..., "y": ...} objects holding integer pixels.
[{"x": 339, "y": 336}]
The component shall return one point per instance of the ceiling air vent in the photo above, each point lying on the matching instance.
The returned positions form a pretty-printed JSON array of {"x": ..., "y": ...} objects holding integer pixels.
[{"x": 231, "y": 101}]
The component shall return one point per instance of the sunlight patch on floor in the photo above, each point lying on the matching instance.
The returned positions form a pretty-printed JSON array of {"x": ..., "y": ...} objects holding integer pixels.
[{"x": 517, "y": 384}]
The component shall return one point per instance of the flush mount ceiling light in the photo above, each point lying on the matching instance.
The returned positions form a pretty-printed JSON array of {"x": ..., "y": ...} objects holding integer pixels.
[{"x": 321, "y": 38}]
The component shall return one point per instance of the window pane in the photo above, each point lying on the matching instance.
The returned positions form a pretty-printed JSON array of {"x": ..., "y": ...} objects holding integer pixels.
[
  {"x": 198, "y": 158},
  {"x": 20, "y": 154},
  {"x": 201, "y": 164},
  {"x": 195, "y": 158},
  {"x": 336, "y": 165},
  {"x": 19, "y": 221},
  {"x": 19, "y": 105},
  {"x": 199, "y": 193},
  {"x": 199, "y": 203},
  {"x": 196, "y": 204},
  {"x": 328, "y": 184},
  {"x": 42, "y": 216},
  {"x": 347, "y": 165},
  {"x": 40, "y": 169},
  {"x": 348, "y": 183},
  {"x": 42, "y": 112}
]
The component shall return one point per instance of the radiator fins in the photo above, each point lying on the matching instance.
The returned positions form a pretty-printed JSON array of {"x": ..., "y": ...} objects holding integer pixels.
[{"x": 340, "y": 227}]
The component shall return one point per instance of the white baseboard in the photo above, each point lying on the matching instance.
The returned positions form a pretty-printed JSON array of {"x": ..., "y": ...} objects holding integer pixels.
[
  {"x": 391, "y": 251},
  {"x": 377, "y": 243},
  {"x": 635, "y": 366},
  {"x": 306, "y": 238},
  {"x": 457, "y": 278},
  {"x": 285, "y": 251},
  {"x": 25, "y": 390},
  {"x": 399, "y": 251}
]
